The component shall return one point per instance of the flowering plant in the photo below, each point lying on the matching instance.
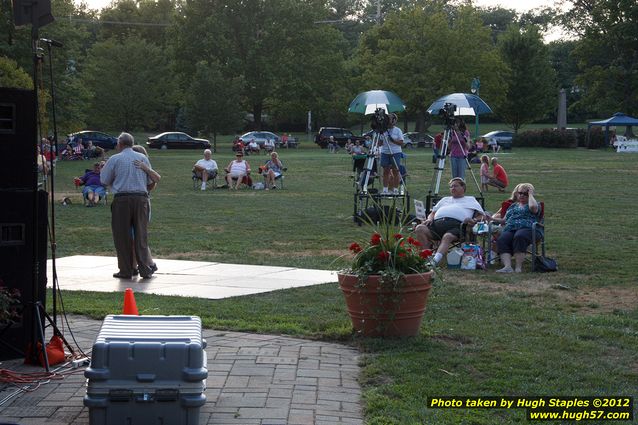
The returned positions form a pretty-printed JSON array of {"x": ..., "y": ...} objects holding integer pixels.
[
  {"x": 389, "y": 252},
  {"x": 9, "y": 304},
  {"x": 387, "y": 284}
]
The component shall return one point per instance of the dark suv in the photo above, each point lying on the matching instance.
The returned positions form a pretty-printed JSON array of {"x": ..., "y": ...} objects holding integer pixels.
[{"x": 341, "y": 136}]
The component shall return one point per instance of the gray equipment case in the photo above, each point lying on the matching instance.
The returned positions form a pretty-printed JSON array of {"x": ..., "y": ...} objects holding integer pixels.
[{"x": 147, "y": 370}]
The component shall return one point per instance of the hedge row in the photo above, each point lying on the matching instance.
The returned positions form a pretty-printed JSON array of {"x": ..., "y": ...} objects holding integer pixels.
[{"x": 553, "y": 138}]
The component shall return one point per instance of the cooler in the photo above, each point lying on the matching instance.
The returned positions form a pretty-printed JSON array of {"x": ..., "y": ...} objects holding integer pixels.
[{"x": 147, "y": 370}]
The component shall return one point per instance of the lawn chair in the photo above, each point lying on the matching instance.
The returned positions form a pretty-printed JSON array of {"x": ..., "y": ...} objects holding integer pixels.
[
  {"x": 279, "y": 180},
  {"x": 538, "y": 243},
  {"x": 211, "y": 183}
]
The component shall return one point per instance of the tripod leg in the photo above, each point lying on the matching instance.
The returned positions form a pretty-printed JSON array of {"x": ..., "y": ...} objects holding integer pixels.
[
  {"x": 56, "y": 330},
  {"x": 469, "y": 167},
  {"x": 40, "y": 335}
]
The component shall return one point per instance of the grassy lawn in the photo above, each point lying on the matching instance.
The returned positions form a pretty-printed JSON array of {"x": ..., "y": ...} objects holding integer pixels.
[{"x": 573, "y": 332}]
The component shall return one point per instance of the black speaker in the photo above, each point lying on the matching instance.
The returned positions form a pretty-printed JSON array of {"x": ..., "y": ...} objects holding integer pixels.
[
  {"x": 23, "y": 250},
  {"x": 18, "y": 139},
  {"x": 35, "y": 12}
]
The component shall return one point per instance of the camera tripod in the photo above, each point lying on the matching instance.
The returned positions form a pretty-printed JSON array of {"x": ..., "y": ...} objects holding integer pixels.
[
  {"x": 367, "y": 197},
  {"x": 433, "y": 193}
]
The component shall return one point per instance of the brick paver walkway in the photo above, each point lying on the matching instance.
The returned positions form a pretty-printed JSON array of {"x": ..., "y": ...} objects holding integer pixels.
[{"x": 252, "y": 380}]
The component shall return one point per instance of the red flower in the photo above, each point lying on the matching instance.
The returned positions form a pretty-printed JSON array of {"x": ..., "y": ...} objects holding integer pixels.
[
  {"x": 376, "y": 239},
  {"x": 413, "y": 241},
  {"x": 398, "y": 236},
  {"x": 355, "y": 247},
  {"x": 426, "y": 253},
  {"x": 401, "y": 254},
  {"x": 383, "y": 255}
]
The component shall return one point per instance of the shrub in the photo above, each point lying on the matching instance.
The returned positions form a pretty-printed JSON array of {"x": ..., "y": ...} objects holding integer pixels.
[
  {"x": 596, "y": 139},
  {"x": 548, "y": 138}
]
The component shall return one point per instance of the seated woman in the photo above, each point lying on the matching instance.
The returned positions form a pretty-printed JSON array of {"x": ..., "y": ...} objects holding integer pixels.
[
  {"x": 238, "y": 145},
  {"x": 272, "y": 170},
  {"x": 238, "y": 170},
  {"x": 517, "y": 233},
  {"x": 93, "y": 190}
]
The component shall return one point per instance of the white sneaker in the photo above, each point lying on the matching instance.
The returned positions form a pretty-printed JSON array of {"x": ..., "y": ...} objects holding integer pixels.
[
  {"x": 505, "y": 270},
  {"x": 395, "y": 191},
  {"x": 203, "y": 186},
  {"x": 385, "y": 191}
]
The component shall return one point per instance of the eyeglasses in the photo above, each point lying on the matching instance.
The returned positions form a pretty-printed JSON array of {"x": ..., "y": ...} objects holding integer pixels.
[{"x": 523, "y": 193}]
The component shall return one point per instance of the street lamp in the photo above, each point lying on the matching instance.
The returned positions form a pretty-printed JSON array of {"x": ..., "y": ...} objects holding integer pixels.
[{"x": 475, "y": 89}]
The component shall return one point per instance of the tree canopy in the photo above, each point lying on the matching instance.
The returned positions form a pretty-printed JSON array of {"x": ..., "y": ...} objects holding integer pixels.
[{"x": 138, "y": 64}]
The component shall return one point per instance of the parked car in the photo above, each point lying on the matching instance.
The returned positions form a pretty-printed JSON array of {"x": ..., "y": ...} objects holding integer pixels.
[
  {"x": 176, "y": 140},
  {"x": 102, "y": 140},
  {"x": 415, "y": 139},
  {"x": 503, "y": 138},
  {"x": 260, "y": 137},
  {"x": 341, "y": 136}
]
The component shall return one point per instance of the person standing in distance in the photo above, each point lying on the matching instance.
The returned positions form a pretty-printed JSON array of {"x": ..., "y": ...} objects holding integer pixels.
[
  {"x": 391, "y": 154},
  {"x": 130, "y": 208}
]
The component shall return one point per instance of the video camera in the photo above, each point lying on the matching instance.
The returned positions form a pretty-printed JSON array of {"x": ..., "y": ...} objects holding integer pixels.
[
  {"x": 380, "y": 121},
  {"x": 447, "y": 113}
]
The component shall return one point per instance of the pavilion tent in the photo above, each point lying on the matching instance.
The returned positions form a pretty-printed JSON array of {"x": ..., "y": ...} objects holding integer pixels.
[{"x": 617, "y": 120}]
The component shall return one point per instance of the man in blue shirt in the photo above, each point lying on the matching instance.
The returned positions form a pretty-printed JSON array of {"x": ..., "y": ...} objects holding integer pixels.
[{"x": 130, "y": 205}]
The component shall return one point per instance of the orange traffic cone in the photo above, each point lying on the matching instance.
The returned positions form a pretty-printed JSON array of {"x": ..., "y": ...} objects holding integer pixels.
[{"x": 129, "y": 303}]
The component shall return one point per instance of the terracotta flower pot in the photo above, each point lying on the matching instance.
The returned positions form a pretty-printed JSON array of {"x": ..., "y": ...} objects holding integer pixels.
[{"x": 376, "y": 310}]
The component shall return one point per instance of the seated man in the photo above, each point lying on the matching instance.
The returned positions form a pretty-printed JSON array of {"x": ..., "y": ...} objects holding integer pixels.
[
  {"x": 498, "y": 178},
  {"x": 93, "y": 190},
  {"x": 89, "y": 151},
  {"x": 358, "y": 158},
  {"x": 205, "y": 168},
  {"x": 253, "y": 147},
  {"x": 238, "y": 170},
  {"x": 444, "y": 222},
  {"x": 269, "y": 145}
]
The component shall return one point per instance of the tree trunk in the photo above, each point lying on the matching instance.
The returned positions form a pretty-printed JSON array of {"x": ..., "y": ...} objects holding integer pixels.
[
  {"x": 257, "y": 108},
  {"x": 420, "y": 126}
]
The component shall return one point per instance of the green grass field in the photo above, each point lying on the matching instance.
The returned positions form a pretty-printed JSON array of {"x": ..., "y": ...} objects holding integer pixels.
[{"x": 573, "y": 332}]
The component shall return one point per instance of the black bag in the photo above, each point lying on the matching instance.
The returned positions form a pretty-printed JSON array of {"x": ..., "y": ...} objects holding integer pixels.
[{"x": 545, "y": 264}]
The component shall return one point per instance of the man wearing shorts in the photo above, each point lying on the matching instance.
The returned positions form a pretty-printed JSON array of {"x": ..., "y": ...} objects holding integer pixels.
[
  {"x": 444, "y": 222},
  {"x": 206, "y": 168},
  {"x": 391, "y": 154}
]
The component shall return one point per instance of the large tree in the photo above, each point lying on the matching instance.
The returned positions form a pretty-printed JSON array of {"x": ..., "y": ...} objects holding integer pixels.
[
  {"x": 11, "y": 75},
  {"x": 274, "y": 44},
  {"x": 532, "y": 80},
  {"x": 132, "y": 85},
  {"x": 423, "y": 53},
  {"x": 607, "y": 54},
  {"x": 212, "y": 101}
]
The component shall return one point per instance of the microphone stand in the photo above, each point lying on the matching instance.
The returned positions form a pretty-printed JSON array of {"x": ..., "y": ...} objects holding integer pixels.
[{"x": 50, "y": 43}]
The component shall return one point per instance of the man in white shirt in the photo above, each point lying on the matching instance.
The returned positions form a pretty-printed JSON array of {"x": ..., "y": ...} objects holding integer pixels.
[
  {"x": 206, "y": 168},
  {"x": 444, "y": 222},
  {"x": 391, "y": 154},
  {"x": 269, "y": 145}
]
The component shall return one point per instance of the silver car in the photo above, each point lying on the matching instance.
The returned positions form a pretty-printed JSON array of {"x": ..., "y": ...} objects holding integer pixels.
[{"x": 260, "y": 137}]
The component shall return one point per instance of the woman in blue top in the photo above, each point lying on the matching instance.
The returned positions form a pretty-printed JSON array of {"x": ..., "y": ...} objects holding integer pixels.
[
  {"x": 517, "y": 233},
  {"x": 273, "y": 170}
]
